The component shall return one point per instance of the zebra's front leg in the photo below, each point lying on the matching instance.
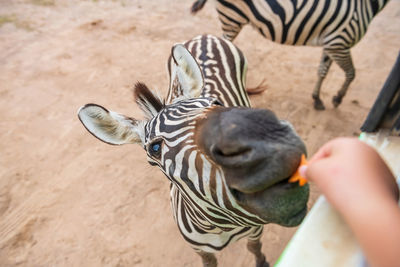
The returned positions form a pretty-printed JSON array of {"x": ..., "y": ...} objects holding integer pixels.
[
  {"x": 323, "y": 69},
  {"x": 343, "y": 59},
  {"x": 208, "y": 259},
  {"x": 254, "y": 246},
  {"x": 231, "y": 23}
]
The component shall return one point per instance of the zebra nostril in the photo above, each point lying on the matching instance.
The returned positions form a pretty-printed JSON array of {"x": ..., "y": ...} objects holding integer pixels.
[
  {"x": 239, "y": 157},
  {"x": 216, "y": 150},
  {"x": 229, "y": 151}
]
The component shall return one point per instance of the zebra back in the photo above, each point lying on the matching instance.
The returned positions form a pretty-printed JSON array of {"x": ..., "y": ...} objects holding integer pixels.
[
  {"x": 223, "y": 67},
  {"x": 303, "y": 22}
]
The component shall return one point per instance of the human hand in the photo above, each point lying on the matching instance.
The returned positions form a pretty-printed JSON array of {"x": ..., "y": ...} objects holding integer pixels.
[
  {"x": 351, "y": 175},
  {"x": 358, "y": 183}
]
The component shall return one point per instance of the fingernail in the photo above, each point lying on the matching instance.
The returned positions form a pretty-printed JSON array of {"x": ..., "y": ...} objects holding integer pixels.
[{"x": 303, "y": 170}]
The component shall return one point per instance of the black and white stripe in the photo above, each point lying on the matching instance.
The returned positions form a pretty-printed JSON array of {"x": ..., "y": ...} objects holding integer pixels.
[{"x": 334, "y": 25}]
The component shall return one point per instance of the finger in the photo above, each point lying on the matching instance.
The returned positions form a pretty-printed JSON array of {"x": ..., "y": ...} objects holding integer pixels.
[
  {"x": 303, "y": 170},
  {"x": 334, "y": 146},
  {"x": 323, "y": 152},
  {"x": 318, "y": 171}
]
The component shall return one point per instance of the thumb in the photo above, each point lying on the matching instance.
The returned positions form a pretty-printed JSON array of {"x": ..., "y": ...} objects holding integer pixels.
[
  {"x": 316, "y": 171},
  {"x": 303, "y": 170}
]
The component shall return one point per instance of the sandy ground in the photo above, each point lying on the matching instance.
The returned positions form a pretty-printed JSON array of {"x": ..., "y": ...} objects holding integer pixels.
[{"x": 67, "y": 199}]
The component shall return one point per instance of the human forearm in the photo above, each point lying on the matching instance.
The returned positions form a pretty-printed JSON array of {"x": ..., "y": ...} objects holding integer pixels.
[
  {"x": 377, "y": 229},
  {"x": 358, "y": 183}
]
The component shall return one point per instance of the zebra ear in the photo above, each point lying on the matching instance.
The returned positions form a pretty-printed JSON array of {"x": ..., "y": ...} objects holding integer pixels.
[
  {"x": 110, "y": 127},
  {"x": 186, "y": 77},
  {"x": 149, "y": 103}
]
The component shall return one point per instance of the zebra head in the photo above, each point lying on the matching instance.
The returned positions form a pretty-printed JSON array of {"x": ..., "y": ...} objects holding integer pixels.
[{"x": 230, "y": 162}]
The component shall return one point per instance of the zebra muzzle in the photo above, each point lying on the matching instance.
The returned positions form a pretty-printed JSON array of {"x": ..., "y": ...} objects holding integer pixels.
[{"x": 257, "y": 153}]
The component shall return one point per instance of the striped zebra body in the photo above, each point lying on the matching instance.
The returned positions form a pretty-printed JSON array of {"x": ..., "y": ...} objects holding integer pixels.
[
  {"x": 228, "y": 164},
  {"x": 335, "y": 25},
  {"x": 197, "y": 210}
]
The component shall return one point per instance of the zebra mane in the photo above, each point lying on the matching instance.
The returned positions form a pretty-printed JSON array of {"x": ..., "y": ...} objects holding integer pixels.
[{"x": 149, "y": 102}]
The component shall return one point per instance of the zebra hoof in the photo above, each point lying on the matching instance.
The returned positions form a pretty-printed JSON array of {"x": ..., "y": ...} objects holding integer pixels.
[
  {"x": 336, "y": 100},
  {"x": 263, "y": 264},
  {"x": 318, "y": 104},
  {"x": 261, "y": 261}
]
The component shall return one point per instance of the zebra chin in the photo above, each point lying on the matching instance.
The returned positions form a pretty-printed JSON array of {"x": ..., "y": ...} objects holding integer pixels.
[{"x": 284, "y": 203}]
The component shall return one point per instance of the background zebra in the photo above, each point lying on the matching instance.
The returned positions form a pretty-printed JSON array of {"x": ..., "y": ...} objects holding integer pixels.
[
  {"x": 228, "y": 164},
  {"x": 335, "y": 25}
]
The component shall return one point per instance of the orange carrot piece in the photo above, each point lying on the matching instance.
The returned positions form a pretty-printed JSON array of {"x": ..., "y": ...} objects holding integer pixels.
[{"x": 296, "y": 176}]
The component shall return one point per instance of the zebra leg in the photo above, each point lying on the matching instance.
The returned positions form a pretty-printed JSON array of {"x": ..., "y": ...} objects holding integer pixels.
[
  {"x": 231, "y": 21},
  {"x": 254, "y": 246},
  {"x": 343, "y": 59},
  {"x": 230, "y": 31},
  {"x": 323, "y": 69},
  {"x": 209, "y": 259}
]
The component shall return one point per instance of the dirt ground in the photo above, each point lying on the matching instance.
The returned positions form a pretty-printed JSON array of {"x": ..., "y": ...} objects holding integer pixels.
[{"x": 67, "y": 199}]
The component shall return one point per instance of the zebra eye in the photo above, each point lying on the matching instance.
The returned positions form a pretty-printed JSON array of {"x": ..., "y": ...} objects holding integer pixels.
[{"x": 155, "y": 148}]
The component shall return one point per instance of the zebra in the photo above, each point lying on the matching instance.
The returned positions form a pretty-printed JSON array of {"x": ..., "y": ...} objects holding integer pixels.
[
  {"x": 335, "y": 25},
  {"x": 228, "y": 164}
]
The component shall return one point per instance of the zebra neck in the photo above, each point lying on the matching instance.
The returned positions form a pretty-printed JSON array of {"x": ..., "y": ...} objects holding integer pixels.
[{"x": 201, "y": 216}]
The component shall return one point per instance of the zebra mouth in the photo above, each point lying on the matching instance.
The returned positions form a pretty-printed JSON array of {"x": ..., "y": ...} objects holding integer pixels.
[
  {"x": 241, "y": 196},
  {"x": 282, "y": 182},
  {"x": 283, "y": 203}
]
